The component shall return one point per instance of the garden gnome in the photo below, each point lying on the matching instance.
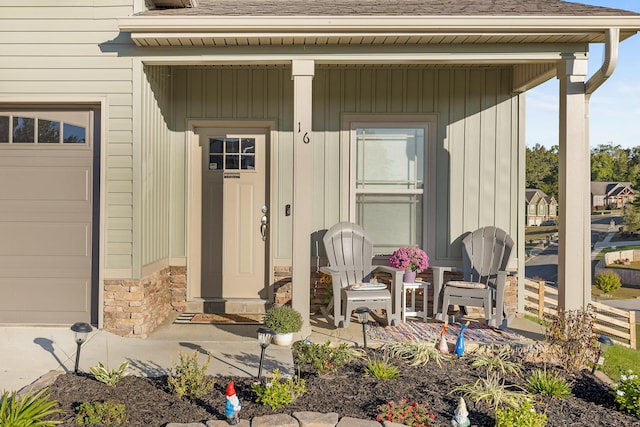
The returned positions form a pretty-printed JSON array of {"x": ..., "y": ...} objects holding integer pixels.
[
  {"x": 460, "y": 341},
  {"x": 443, "y": 347},
  {"x": 232, "y": 407},
  {"x": 461, "y": 415}
]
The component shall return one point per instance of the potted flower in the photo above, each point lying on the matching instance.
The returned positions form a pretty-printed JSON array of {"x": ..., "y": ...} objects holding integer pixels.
[
  {"x": 410, "y": 259},
  {"x": 285, "y": 321}
]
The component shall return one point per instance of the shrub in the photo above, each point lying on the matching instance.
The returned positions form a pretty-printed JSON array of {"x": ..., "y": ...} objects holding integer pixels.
[
  {"x": 498, "y": 361},
  {"x": 109, "y": 413},
  {"x": 27, "y": 410},
  {"x": 381, "y": 369},
  {"x": 283, "y": 319},
  {"x": 112, "y": 377},
  {"x": 407, "y": 413},
  {"x": 607, "y": 281},
  {"x": 627, "y": 393},
  {"x": 551, "y": 384},
  {"x": 188, "y": 379},
  {"x": 324, "y": 357},
  {"x": 524, "y": 415},
  {"x": 492, "y": 391},
  {"x": 278, "y": 392},
  {"x": 417, "y": 352},
  {"x": 572, "y": 338}
]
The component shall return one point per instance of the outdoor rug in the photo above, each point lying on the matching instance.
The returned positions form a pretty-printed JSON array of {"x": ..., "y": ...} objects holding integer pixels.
[
  {"x": 431, "y": 332},
  {"x": 220, "y": 319}
]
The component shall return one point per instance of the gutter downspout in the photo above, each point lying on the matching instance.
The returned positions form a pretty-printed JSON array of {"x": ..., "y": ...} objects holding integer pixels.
[{"x": 612, "y": 41}]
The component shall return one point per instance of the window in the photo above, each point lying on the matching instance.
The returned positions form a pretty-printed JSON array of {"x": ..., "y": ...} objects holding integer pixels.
[
  {"x": 232, "y": 153},
  {"x": 388, "y": 183},
  {"x": 43, "y": 127}
]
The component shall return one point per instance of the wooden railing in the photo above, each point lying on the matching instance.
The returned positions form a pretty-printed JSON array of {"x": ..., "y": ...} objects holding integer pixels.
[{"x": 541, "y": 301}]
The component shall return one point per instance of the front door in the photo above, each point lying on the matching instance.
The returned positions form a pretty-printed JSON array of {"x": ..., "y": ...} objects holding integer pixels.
[{"x": 234, "y": 214}]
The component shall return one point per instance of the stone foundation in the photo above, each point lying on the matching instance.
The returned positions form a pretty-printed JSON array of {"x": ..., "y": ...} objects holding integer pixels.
[
  {"x": 282, "y": 286},
  {"x": 134, "y": 308}
]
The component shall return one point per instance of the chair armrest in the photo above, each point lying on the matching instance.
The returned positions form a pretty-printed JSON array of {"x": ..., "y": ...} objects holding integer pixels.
[
  {"x": 386, "y": 268},
  {"x": 328, "y": 270}
]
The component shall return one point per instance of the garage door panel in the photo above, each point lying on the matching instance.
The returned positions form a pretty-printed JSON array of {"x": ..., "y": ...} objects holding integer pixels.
[
  {"x": 44, "y": 266},
  {"x": 46, "y": 183},
  {"x": 51, "y": 210},
  {"x": 53, "y": 301},
  {"x": 54, "y": 239}
]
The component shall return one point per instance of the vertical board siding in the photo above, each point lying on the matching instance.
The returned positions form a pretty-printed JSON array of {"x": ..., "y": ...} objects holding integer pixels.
[
  {"x": 156, "y": 167},
  {"x": 52, "y": 50},
  {"x": 475, "y": 147}
]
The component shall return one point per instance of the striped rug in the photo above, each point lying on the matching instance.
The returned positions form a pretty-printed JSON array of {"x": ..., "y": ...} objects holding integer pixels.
[{"x": 474, "y": 333}]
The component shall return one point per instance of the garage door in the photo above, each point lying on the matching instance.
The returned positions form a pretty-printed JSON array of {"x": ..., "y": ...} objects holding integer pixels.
[{"x": 46, "y": 211}]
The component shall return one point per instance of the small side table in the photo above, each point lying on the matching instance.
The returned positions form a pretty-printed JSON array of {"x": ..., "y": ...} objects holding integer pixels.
[{"x": 411, "y": 310}]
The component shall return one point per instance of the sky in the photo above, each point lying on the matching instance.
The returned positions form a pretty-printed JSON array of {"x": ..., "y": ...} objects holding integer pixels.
[{"x": 614, "y": 106}]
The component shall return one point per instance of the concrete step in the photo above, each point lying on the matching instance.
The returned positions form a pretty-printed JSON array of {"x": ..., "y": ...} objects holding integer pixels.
[{"x": 228, "y": 305}]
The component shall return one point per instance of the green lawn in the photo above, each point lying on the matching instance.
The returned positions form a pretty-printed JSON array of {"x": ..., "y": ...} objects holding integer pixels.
[
  {"x": 618, "y": 360},
  {"x": 616, "y": 249},
  {"x": 621, "y": 293},
  {"x": 539, "y": 233}
]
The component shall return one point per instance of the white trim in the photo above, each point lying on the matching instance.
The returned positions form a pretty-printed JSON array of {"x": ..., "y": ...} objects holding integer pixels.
[
  {"x": 117, "y": 273},
  {"x": 159, "y": 265},
  {"x": 404, "y": 24}
]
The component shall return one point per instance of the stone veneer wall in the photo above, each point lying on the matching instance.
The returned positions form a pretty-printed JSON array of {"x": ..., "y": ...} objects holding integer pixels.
[{"x": 134, "y": 308}]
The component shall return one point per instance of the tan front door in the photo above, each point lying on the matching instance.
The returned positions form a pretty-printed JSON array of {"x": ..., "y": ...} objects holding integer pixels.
[{"x": 234, "y": 214}]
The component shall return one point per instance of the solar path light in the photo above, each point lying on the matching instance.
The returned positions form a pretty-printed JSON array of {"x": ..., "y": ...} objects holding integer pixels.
[
  {"x": 363, "y": 318},
  {"x": 264, "y": 338},
  {"x": 81, "y": 330}
]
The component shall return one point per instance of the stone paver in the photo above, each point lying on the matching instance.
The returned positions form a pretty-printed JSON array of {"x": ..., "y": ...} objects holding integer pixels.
[
  {"x": 223, "y": 423},
  {"x": 355, "y": 422},
  {"x": 277, "y": 420},
  {"x": 185, "y": 425},
  {"x": 391, "y": 424},
  {"x": 316, "y": 419}
]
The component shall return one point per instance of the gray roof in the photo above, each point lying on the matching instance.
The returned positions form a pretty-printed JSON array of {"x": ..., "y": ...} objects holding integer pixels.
[
  {"x": 602, "y": 188},
  {"x": 388, "y": 8}
]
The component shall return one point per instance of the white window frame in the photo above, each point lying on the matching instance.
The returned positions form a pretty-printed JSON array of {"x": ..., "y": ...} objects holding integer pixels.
[
  {"x": 428, "y": 122},
  {"x": 80, "y": 117}
]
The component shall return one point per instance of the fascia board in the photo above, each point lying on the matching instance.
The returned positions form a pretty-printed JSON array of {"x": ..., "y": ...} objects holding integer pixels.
[{"x": 401, "y": 24}]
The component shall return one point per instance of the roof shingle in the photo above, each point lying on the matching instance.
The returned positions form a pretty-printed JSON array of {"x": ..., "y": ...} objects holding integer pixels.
[{"x": 389, "y": 8}]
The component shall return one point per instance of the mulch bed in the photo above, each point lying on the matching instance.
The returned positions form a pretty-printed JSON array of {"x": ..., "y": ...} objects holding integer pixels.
[{"x": 349, "y": 393}]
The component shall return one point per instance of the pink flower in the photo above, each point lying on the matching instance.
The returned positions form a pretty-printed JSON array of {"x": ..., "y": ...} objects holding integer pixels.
[{"x": 409, "y": 258}]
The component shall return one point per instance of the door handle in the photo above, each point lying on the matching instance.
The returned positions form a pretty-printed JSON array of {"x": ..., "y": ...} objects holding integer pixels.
[{"x": 263, "y": 227}]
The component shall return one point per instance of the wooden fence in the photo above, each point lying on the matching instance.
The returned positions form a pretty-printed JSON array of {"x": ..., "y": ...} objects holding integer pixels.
[{"x": 541, "y": 301}]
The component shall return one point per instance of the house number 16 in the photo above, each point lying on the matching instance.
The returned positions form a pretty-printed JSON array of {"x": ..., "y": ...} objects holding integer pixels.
[{"x": 305, "y": 137}]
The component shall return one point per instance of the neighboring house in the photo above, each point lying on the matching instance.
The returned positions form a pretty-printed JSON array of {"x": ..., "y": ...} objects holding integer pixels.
[
  {"x": 611, "y": 195},
  {"x": 182, "y": 158},
  {"x": 538, "y": 206}
]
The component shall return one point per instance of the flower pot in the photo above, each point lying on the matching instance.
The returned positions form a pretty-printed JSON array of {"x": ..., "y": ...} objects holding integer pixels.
[
  {"x": 283, "y": 339},
  {"x": 409, "y": 276}
]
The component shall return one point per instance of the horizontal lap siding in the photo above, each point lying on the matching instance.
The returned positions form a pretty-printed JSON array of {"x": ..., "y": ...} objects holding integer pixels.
[
  {"x": 63, "y": 49},
  {"x": 476, "y": 143}
]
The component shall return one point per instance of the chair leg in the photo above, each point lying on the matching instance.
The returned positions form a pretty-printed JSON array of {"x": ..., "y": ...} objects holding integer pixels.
[
  {"x": 347, "y": 313},
  {"x": 391, "y": 319},
  {"x": 444, "y": 308},
  {"x": 488, "y": 308}
]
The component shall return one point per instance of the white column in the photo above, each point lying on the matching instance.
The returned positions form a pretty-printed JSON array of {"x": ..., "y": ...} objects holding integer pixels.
[
  {"x": 574, "y": 260},
  {"x": 302, "y": 75}
]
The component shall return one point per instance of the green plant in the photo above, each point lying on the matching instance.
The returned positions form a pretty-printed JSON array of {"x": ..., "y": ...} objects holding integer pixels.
[
  {"x": 283, "y": 319},
  {"x": 627, "y": 393},
  {"x": 607, "y": 281},
  {"x": 572, "y": 338},
  {"x": 492, "y": 391},
  {"x": 325, "y": 357},
  {"x": 551, "y": 384},
  {"x": 407, "y": 413},
  {"x": 27, "y": 410},
  {"x": 381, "y": 369},
  {"x": 109, "y": 413},
  {"x": 524, "y": 415},
  {"x": 188, "y": 379},
  {"x": 498, "y": 361},
  {"x": 418, "y": 352},
  {"x": 278, "y": 392},
  {"x": 102, "y": 374}
]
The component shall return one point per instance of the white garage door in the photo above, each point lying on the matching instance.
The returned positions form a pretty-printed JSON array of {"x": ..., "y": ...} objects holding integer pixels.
[{"x": 46, "y": 211}]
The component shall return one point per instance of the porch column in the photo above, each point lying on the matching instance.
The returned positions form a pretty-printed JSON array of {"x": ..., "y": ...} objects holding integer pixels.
[
  {"x": 302, "y": 75},
  {"x": 574, "y": 252}
]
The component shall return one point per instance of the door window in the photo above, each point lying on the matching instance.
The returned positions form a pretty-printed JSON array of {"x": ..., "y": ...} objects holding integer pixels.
[
  {"x": 388, "y": 187},
  {"x": 232, "y": 154}
]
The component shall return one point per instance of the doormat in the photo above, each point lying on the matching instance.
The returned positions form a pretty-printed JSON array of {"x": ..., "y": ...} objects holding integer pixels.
[
  {"x": 220, "y": 319},
  {"x": 431, "y": 332}
]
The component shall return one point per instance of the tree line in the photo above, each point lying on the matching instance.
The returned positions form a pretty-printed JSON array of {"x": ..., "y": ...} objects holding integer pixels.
[{"x": 608, "y": 163}]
